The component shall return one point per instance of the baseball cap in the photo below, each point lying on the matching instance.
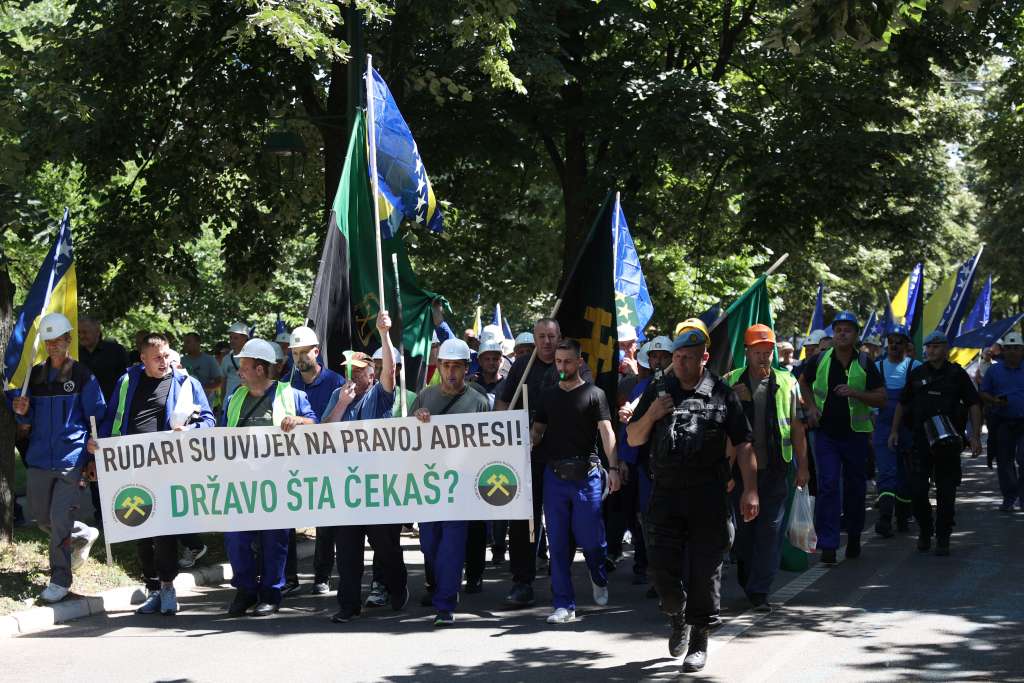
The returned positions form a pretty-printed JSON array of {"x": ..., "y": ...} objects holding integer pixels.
[{"x": 357, "y": 359}]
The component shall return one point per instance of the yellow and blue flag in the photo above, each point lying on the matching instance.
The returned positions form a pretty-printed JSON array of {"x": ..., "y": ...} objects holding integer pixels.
[
  {"x": 904, "y": 304},
  {"x": 633, "y": 305},
  {"x": 978, "y": 318},
  {"x": 55, "y": 290},
  {"x": 948, "y": 303},
  {"x": 405, "y": 190}
]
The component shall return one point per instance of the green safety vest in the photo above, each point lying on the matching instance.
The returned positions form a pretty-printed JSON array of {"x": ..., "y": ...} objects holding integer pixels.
[
  {"x": 783, "y": 406},
  {"x": 856, "y": 377},
  {"x": 284, "y": 403},
  {"x": 122, "y": 392}
]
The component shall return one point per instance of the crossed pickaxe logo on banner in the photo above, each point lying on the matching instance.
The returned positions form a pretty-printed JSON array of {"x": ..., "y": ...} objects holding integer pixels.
[
  {"x": 133, "y": 504},
  {"x": 497, "y": 483}
]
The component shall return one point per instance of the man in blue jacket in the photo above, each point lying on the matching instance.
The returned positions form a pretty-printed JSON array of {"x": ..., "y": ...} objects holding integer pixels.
[
  {"x": 261, "y": 401},
  {"x": 62, "y": 396},
  {"x": 154, "y": 397}
]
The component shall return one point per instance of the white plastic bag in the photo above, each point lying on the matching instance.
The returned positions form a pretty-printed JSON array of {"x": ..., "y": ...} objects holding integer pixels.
[
  {"x": 801, "y": 522},
  {"x": 184, "y": 407}
]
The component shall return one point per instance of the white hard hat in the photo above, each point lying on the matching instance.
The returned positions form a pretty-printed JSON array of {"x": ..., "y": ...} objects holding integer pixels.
[
  {"x": 260, "y": 349},
  {"x": 626, "y": 332},
  {"x": 379, "y": 355},
  {"x": 1012, "y": 339},
  {"x": 304, "y": 336},
  {"x": 283, "y": 338},
  {"x": 524, "y": 338},
  {"x": 453, "y": 349},
  {"x": 641, "y": 356},
  {"x": 814, "y": 338},
  {"x": 491, "y": 331},
  {"x": 873, "y": 340},
  {"x": 489, "y": 345},
  {"x": 507, "y": 347},
  {"x": 52, "y": 326},
  {"x": 660, "y": 344},
  {"x": 239, "y": 328}
]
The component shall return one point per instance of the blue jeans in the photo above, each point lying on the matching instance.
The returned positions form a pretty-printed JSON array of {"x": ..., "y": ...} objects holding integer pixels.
[
  {"x": 758, "y": 544},
  {"x": 573, "y": 509},
  {"x": 840, "y": 460}
]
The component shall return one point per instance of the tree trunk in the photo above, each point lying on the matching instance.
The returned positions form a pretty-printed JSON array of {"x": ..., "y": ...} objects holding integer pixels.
[{"x": 7, "y": 424}]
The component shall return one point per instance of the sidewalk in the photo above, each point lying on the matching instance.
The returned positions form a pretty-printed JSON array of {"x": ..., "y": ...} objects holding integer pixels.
[{"x": 118, "y": 599}]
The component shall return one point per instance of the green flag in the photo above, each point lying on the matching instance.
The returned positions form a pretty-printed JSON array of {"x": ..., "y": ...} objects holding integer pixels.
[
  {"x": 344, "y": 305},
  {"x": 727, "y": 348}
]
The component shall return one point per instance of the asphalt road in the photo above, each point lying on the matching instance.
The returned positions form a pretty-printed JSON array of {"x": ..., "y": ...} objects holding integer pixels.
[{"x": 891, "y": 615}]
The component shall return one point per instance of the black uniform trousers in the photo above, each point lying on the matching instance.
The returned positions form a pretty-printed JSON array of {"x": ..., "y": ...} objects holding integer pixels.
[
  {"x": 323, "y": 554},
  {"x": 692, "y": 523},
  {"x": 349, "y": 542},
  {"x": 523, "y": 553},
  {"x": 621, "y": 514},
  {"x": 927, "y": 468}
]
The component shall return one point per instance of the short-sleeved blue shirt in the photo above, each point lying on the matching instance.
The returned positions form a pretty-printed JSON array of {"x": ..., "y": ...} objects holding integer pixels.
[
  {"x": 320, "y": 390},
  {"x": 1004, "y": 381}
]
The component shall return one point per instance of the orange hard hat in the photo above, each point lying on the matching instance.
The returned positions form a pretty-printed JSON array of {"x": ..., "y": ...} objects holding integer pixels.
[{"x": 759, "y": 334}]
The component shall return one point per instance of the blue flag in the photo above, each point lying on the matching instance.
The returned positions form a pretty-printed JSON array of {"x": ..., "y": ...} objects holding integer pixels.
[
  {"x": 56, "y": 288},
  {"x": 404, "y": 186},
  {"x": 988, "y": 335},
  {"x": 957, "y": 305},
  {"x": 279, "y": 327},
  {"x": 711, "y": 315},
  {"x": 818, "y": 317},
  {"x": 870, "y": 327},
  {"x": 501, "y": 322},
  {"x": 633, "y": 304},
  {"x": 982, "y": 310}
]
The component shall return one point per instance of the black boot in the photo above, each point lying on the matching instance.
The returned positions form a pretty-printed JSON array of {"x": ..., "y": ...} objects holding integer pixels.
[
  {"x": 883, "y": 527},
  {"x": 680, "y": 637},
  {"x": 924, "y": 542},
  {"x": 697, "y": 655},
  {"x": 852, "y": 547},
  {"x": 942, "y": 545}
]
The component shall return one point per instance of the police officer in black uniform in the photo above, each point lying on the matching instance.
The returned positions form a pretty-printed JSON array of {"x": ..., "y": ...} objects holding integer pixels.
[
  {"x": 697, "y": 430},
  {"x": 937, "y": 388}
]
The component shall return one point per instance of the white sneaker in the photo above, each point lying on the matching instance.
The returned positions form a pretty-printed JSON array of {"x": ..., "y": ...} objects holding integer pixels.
[
  {"x": 600, "y": 594},
  {"x": 562, "y": 616},
  {"x": 83, "y": 545},
  {"x": 189, "y": 557},
  {"x": 53, "y": 593}
]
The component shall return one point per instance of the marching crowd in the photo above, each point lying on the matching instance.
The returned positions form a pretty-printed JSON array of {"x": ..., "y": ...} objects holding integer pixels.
[{"x": 701, "y": 470}]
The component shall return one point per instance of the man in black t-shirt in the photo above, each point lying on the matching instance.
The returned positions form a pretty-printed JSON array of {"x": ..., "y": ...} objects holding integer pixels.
[
  {"x": 697, "y": 429},
  {"x": 543, "y": 375},
  {"x": 841, "y": 386},
  {"x": 569, "y": 418}
]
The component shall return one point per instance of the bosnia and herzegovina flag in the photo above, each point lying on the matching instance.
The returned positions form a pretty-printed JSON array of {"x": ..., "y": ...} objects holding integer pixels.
[
  {"x": 345, "y": 300},
  {"x": 633, "y": 303},
  {"x": 978, "y": 318},
  {"x": 727, "y": 348},
  {"x": 56, "y": 284},
  {"x": 817, "y": 317},
  {"x": 405, "y": 190}
]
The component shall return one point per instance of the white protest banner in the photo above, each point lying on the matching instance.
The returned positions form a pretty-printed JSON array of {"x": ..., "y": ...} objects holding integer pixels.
[{"x": 473, "y": 466}]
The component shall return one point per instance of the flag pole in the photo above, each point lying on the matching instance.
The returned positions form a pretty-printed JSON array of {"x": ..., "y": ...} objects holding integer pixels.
[
  {"x": 558, "y": 301},
  {"x": 46, "y": 303},
  {"x": 615, "y": 238},
  {"x": 96, "y": 437},
  {"x": 775, "y": 266},
  {"x": 401, "y": 338},
  {"x": 371, "y": 136}
]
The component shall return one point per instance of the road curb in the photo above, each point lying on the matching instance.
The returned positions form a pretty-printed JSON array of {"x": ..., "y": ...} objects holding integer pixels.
[{"x": 116, "y": 599}]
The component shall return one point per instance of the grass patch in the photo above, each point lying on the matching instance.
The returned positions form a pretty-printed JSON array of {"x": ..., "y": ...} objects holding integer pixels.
[{"x": 25, "y": 567}]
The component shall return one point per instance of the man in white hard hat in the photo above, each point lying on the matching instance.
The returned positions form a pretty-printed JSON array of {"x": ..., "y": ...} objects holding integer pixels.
[
  {"x": 62, "y": 395},
  {"x": 1002, "y": 390},
  {"x": 523, "y": 345},
  {"x": 444, "y": 543},
  {"x": 261, "y": 401},
  {"x": 319, "y": 384},
  {"x": 786, "y": 351},
  {"x": 490, "y": 376},
  {"x": 153, "y": 397},
  {"x": 627, "y": 349},
  {"x": 238, "y": 335},
  {"x": 284, "y": 340},
  {"x": 363, "y": 399}
]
